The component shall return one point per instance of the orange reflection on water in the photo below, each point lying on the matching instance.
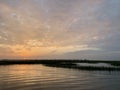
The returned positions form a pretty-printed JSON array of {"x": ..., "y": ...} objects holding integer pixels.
[{"x": 29, "y": 73}]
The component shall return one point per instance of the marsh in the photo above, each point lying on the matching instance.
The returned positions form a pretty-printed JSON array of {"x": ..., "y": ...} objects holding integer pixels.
[{"x": 40, "y": 77}]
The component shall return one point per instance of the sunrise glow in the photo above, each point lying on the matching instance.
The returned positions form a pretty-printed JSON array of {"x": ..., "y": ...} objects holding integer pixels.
[{"x": 59, "y": 29}]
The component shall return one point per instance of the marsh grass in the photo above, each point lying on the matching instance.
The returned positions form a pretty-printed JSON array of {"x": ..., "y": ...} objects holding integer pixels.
[{"x": 71, "y": 64}]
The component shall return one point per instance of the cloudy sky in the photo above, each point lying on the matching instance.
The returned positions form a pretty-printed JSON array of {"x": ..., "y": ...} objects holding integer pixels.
[{"x": 75, "y": 29}]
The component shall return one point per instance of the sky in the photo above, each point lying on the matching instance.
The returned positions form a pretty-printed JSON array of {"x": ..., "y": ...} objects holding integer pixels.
[{"x": 60, "y": 29}]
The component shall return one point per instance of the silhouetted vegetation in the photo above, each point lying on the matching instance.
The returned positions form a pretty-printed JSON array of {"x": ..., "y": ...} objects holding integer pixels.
[
  {"x": 90, "y": 68},
  {"x": 65, "y": 64}
]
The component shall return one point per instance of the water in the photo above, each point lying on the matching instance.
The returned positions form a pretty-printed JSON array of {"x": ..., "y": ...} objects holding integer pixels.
[
  {"x": 96, "y": 64},
  {"x": 39, "y": 77}
]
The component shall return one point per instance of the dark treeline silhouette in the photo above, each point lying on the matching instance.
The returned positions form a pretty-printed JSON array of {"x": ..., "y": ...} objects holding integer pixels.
[{"x": 66, "y": 64}]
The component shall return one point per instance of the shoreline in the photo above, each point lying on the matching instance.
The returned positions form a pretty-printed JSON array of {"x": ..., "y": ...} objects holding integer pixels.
[{"x": 70, "y": 64}]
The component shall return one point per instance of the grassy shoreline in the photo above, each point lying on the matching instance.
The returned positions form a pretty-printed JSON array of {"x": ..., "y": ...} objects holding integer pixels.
[{"x": 66, "y": 64}]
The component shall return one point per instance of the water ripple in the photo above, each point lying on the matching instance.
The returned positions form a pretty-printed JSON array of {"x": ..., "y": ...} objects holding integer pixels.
[{"x": 38, "y": 77}]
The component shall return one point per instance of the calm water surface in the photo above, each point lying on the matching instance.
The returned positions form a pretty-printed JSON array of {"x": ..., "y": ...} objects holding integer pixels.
[{"x": 39, "y": 77}]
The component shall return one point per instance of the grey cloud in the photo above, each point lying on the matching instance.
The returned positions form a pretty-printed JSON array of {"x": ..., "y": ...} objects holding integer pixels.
[
  {"x": 94, "y": 23},
  {"x": 92, "y": 55}
]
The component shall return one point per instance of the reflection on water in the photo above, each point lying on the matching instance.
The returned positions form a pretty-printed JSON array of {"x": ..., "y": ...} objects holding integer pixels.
[{"x": 37, "y": 77}]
